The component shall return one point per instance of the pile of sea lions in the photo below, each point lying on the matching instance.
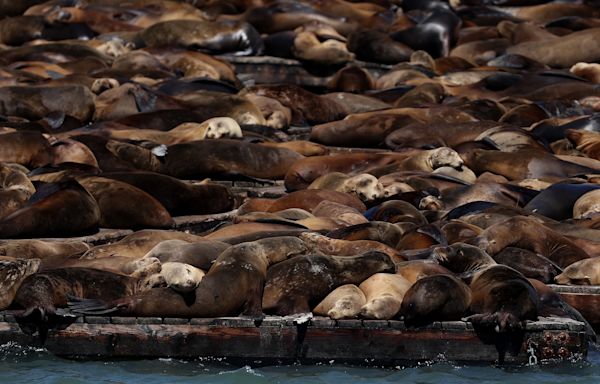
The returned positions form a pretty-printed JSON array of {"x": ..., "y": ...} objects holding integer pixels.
[{"x": 455, "y": 183}]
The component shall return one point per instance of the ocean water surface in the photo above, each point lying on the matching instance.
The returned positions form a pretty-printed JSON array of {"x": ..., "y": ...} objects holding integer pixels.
[{"x": 20, "y": 366}]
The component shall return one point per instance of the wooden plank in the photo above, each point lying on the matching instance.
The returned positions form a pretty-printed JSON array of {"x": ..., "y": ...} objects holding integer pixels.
[
  {"x": 283, "y": 339},
  {"x": 584, "y": 298}
]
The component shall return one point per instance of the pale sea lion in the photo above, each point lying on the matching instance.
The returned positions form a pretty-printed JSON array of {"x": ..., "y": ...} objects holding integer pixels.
[
  {"x": 587, "y": 205},
  {"x": 384, "y": 293},
  {"x": 583, "y": 272},
  {"x": 180, "y": 276},
  {"x": 365, "y": 186},
  {"x": 344, "y": 302}
]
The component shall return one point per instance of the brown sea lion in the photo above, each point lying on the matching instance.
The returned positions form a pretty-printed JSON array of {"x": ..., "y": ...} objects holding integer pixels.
[
  {"x": 384, "y": 293},
  {"x": 365, "y": 186},
  {"x": 27, "y": 148},
  {"x": 373, "y": 45},
  {"x": 138, "y": 268},
  {"x": 587, "y": 205},
  {"x": 13, "y": 272},
  {"x": 138, "y": 243},
  {"x": 351, "y": 78},
  {"x": 226, "y": 156},
  {"x": 583, "y": 272},
  {"x": 309, "y": 199},
  {"x": 435, "y": 298},
  {"x": 530, "y": 264},
  {"x": 43, "y": 250},
  {"x": 344, "y": 302},
  {"x": 124, "y": 206},
  {"x": 233, "y": 285},
  {"x": 15, "y": 190},
  {"x": 415, "y": 270},
  {"x": 337, "y": 247},
  {"x": 589, "y": 71},
  {"x": 528, "y": 233},
  {"x": 56, "y": 209},
  {"x": 276, "y": 114},
  {"x": 459, "y": 231},
  {"x": 200, "y": 254},
  {"x": 387, "y": 233},
  {"x": 298, "y": 284},
  {"x": 461, "y": 257}
]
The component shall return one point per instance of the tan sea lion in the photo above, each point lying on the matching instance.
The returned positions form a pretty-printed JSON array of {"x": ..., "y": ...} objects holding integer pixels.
[
  {"x": 180, "y": 276},
  {"x": 200, "y": 254},
  {"x": 299, "y": 284},
  {"x": 583, "y": 272},
  {"x": 344, "y": 302},
  {"x": 384, "y": 293},
  {"x": 435, "y": 298},
  {"x": 337, "y": 247},
  {"x": 587, "y": 205},
  {"x": 276, "y": 114},
  {"x": 15, "y": 190},
  {"x": 13, "y": 272},
  {"x": 415, "y": 270},
  {"x": 40, "y": 249},
  {"x": 27, "y": 148},
  {"x": 330, "y": 52},
  {"x": 365, "y": 186},
  {"x": 589, "y": 71}
]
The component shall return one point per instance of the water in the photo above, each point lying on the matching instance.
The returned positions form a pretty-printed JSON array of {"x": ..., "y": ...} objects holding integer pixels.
[{"x": 37, "y": 366}]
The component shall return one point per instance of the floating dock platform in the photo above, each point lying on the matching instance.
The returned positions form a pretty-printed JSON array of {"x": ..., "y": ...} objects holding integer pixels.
[{"x": 277, "y": 340}]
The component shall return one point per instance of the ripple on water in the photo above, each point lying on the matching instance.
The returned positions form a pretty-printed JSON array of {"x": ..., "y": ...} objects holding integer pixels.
[{"x": 29, "y": 365}]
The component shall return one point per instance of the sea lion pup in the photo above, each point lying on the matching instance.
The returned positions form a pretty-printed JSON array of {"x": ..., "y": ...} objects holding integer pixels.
[
  {"x": 384, "y": 293},
  {"x": 583, "y": 272},
  {"x": 124, "y": 206},
  {"x": 552, "y": 305},
  {"x": 527, "y": 233},
  {"x": 365, "y": 186},
  {"x": 56, "y": 209},
  {"x": 12, "y": 272},
  {"x": 233, "y": 285},
  {"x": 179, "y": 197},
  {"x": 207, "y": 157},
  {"x": 35, "y": 102},
  {"x": 435, "y": 298},
  {"x": 530, "y": 264},
  {"x": 415, "y": 270},
  {"x": 213, "y": 36},
  {"x": 337, "y": 247},
  {"x": 15, "y": 190},
  {"x": 138, "y": 243},
  {"x": 344, "y": 302},
  {"x": 299, "y": 284},
  {"x": 587, "y": 205},
  {"x": 201, "y": 254}
]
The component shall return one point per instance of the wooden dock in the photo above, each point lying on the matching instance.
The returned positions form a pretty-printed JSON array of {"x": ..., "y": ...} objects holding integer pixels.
[
  {"x": 584, "y": 298},
  {"x": 305, "y": 339}
]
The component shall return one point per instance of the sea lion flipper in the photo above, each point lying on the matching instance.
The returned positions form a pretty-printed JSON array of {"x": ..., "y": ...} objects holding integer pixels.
[{"x": 91, "y": 306}]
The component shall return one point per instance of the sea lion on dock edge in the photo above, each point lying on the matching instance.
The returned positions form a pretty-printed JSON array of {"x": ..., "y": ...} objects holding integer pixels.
[
  {"x": 344, "y": 302},
  {"x": 384, "y": 293},
  {"x": 13, "y": 271},
  {"x": 297, "y": 285}
]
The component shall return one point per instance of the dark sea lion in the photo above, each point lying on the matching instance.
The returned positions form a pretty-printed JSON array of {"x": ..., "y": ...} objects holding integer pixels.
[
  {"x": 389, "y": 234},
  {"x": 551, "y": 132},
  {"x": 298, "y": 284},
  {"x": 435, "y": 298},
  {"x": 211, "y": 36},
  {"x": 178, "y": 197},
  {"x": 461, "y": 257},
  {"x": 306, "y": 107},
  {"x": 13, "y": 271},
  {"x": 502, "y": 299},
  {"x": 373, "y": 45},
  {"x": 384, "y": 293},
  {"x": 35, "y": 102},
  {"x": 344, "y": 302},
  {"x": 225, "y": 156},
  {"x": 56, "y": 209},
  {"x": 394, "y": 211},
  {"x": 124, "y": 206},
  {"x": 200, "y": 254},
  {"x": 530, "y": 264},
  {"x": 528, "y": 233},
  {"x": 459, "y": 231},
  {"x": 557, "y": 201},
  {"x": 233, "y": 285}
]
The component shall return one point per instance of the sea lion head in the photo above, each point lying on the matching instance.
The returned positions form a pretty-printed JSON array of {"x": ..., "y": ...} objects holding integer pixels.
[
  {"x": 461, "y": 257},
  {"x": 181, "y": 277},
  {"x": 445, "y": 157},
  {"x": 366, "y": 186},
  {"x": 222, "y": 127}
]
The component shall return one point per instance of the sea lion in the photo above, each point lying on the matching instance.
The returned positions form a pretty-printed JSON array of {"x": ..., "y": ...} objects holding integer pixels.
[
  {"x": 180, "y": 276},
  {"x": 47, "y": 215},
  {"x": 43, "y": 250},
  {"x": 527, "y": 233},
  {"x": 415, "y": 270},
  {"x": 309, "y": 199},
  {"x": 530, "y": 264},
  {"x": 344, "y": 302},
  {"x": 27, "y": 148},
  {"x": 502, "y": 299},
  {"x": 583, "y": 272},
  {"x": 395, "y": 211},
  {"x": 13, "y": 271},
  {"x": 124, "y": 206},
  {"x": 15, "y": 190},
  {"x": 299, "y": 284},
  {"x": 461, "y": 257},
  {"x": 351, "y": 78},
  {"x": 459, "y": 231},
  {"x": 337, "y": 247},
  {"x": 365, "y": 186},
  {"x": 226, "y": 156},
  {"x": 233, "y": 285},
  {"x": 435, "y": 298},
  {"x": 138, "y": 243},
  {"x": 307, "y": 47},
  {"x": 589, "y": 71},
  {"x": 331, "y": 209},
  {"x": 276, "y": 114},
  {"x": 587, "y": 205},
  {"x": 201, "y": 254},
  {"x": 178, "y": 197},
  {"x": 213, "y": 36},
  {"x": 389, "y": 234},
  {"x": 373, "y": 45},
  {"x": 585, "y": 141},
  {"x": 72, "y": 151},
  {"x": 384, "y": 293}
]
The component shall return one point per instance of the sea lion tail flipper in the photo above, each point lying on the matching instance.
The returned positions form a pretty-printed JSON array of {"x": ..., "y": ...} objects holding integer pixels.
[{"x": 90, "y": 306}]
